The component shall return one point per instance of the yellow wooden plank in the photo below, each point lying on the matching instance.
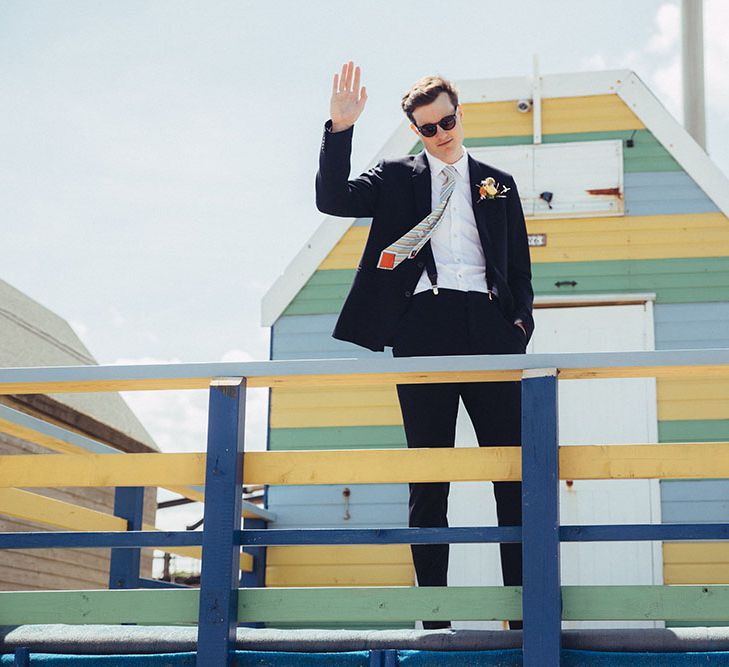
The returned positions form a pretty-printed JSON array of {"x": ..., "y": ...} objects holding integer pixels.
[
  {"x": 358, "y": 554},
  {"x": 378, "y": 466},
  {"x": 343, "y": 575},
  {"x": 595, "y": 239},
  {"x": 591, "y": 113},
  {"x": 386, "y": 466},
  {"x": 662, "y": 461},
  {"x": 31, "y": 435},
  {"x": 359, "y": 379},
  {"x": 324, "y": 406},
  {"x": 30, "y": 506},
  {"x": 54, "y": 470}
]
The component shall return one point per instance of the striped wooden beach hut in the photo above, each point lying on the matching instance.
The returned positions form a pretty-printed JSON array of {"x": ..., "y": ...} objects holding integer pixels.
[
  {"x": 627, "y": 217},
  {"x": 32, "y": 335}
]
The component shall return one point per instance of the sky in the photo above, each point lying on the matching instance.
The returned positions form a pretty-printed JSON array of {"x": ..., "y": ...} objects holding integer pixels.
[{"x": 157, "y": 158}]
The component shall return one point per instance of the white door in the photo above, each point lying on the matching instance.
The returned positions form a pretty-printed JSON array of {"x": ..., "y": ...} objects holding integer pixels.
[{"x": 610, "y": 411}]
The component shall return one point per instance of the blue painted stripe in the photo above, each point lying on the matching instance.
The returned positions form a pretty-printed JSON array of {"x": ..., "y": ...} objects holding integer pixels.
[
  {"x": 331, "y": 506},
  {"x": 664, "y": 193},
  {"x": 675, "y": 490},
  {"x": 310, "y": 337},
  {"x": 696, "y": 511},
  {"x": 684, "y": 326}
]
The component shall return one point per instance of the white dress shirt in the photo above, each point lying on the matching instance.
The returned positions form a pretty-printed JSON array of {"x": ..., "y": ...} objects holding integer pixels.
[{"x": 456, "y": 245}]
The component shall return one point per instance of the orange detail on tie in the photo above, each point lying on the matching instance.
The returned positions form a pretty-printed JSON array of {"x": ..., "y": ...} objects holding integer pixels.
[{"x": 387, "y": 260}]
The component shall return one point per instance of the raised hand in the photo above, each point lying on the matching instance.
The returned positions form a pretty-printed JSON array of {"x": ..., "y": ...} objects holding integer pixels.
[{"x": 348, "y": 100}]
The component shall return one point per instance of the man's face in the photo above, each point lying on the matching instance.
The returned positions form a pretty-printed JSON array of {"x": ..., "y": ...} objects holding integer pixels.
[{"x": 445, "y": 144}]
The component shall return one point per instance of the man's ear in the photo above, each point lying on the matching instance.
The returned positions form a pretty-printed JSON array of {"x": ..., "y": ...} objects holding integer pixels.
[{"x": 414, "y": 129}]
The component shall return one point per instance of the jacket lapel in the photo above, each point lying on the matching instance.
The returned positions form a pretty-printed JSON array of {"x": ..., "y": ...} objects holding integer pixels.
[
  {"x": 421, "y": 184},
  {"x": 479, "y": 210}
]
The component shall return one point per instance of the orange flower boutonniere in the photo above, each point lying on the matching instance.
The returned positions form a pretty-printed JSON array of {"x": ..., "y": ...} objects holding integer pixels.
[{"x": 488, "y": 188}]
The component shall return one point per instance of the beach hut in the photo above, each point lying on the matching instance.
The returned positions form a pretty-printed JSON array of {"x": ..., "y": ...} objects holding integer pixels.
[
  {"x": 32, "y": 335},
  {"x": 627, "y": 221}
]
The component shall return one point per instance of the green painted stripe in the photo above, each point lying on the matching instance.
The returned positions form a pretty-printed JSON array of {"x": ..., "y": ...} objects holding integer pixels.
[
  {"x": 155, "y": 606},
  {"x": 344, "y": 437},
  {"x": 646, "y": 154},
  {"x": 689, "y": 430},
  {"x": 682, "y": 280}
]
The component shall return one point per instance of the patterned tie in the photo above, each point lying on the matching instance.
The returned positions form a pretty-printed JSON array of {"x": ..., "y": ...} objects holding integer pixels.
[{"x": 410, "y": 244}]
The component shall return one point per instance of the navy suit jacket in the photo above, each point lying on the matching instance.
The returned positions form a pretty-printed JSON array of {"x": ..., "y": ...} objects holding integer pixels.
[{"x": 396, "y": 195}]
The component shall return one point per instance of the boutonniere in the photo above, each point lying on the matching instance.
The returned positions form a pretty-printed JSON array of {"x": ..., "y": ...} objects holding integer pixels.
[{"x": 488, "y": 188}]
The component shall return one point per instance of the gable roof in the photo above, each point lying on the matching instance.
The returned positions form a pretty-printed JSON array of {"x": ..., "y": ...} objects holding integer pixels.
[
  {"x": 33, "y": 335},
  {"x": 624, "y": 83}
]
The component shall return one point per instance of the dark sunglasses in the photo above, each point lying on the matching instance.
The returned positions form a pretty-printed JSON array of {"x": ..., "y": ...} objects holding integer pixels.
[{"x": 447, "y": 123}]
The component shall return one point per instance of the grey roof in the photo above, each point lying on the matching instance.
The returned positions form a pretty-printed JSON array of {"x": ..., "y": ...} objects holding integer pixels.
[{"x": 33, "y": 335}]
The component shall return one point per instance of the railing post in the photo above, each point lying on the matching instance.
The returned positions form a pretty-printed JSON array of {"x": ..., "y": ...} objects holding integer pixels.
[
  {"x": 124, "y": 565},
  {"x": 218, "y": 614},
  {"x": 542, "y": 599},
  {"x": 22, "y": 657}
]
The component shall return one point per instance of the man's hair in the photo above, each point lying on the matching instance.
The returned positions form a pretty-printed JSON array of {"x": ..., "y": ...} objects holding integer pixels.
[{"x": 426, "y": 90}]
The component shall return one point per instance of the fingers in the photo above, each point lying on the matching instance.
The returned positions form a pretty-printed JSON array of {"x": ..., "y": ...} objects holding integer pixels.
[
  {"x": 355, "y": 88},
  {"x": 335, "y": 84},
  {"x": 348, "y": 80}
]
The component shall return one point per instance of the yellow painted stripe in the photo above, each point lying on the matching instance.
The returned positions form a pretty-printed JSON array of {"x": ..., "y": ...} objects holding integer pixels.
[
  {"x": 358, "y": 554},
  {"x": 594, "y": 239},
  {"x": 593, "y": 113},
  {"x": 375, "y": 466},
  {"x": 336, "y": 565},
  {"x": 692, "y": 398},
  {"x": 324, "y": 406},
  {"x": 696, "y": 563}
]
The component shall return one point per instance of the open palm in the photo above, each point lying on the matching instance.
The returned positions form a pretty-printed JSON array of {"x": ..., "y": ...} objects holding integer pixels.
[{"x": 348, "y": 100}]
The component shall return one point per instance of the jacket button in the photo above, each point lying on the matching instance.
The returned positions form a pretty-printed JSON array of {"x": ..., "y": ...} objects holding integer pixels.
[
  {"x": 408, "y": 293},
  {"x": 421, "y": 265}
]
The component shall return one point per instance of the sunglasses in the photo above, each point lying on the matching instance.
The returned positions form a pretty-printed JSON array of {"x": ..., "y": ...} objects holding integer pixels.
[{"x": 447, "y": 123}]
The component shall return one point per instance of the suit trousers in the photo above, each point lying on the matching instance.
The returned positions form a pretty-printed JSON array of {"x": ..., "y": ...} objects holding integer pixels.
[{"x": 453, "y": 323}]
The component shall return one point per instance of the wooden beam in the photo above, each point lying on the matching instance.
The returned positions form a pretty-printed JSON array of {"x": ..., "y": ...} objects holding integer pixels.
[
  {"x": 370, "y": 466},
  {"x": 350, "y": 372}
]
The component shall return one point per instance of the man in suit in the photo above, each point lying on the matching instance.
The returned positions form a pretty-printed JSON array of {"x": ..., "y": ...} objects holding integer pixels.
[{"x": 467, "y": 289}]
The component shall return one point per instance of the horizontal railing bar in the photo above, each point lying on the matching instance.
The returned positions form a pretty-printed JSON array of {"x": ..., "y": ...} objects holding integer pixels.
[
  {"x": 659, "y": 363},
  {"x": 366, "y": 604},
  {"x": 453, "y": 535},
  {"x": 645, "y": 532},
  {"x": 97, "y": 539},
  {"x": 693, "y": 460},
  {"x": 159, "y": 583},
  {"x": 343, "y": 536}
]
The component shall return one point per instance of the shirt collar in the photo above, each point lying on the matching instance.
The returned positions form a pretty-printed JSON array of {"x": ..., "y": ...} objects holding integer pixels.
[{"x": 436, "y": 165}]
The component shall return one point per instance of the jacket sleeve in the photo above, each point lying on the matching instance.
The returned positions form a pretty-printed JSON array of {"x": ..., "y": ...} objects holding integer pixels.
[
  {"x": 520, "y": 272},
  {"x": 335, "y": 193}
]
